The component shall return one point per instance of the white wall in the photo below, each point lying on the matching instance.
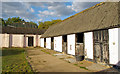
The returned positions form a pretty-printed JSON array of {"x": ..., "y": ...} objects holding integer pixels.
[
  {"x": 26, "y": 41},
  {"x": 88, "y": 39},
  {"x": 71, "y": 44},
  {"x": 48, "y": 43},
  {"x": 39, "y": 40},
  {"x": 42, "y": 42},
  {"x": 118, "y": 47},
  {"x": 114, "y": 45},
  {"x": 4, "y": 40},
  {"x": 58, "y": 43},
  {"x": 17, "y": 40},
  {"x": 34, "y": 39},
  {"x": 1, "y": 41}
]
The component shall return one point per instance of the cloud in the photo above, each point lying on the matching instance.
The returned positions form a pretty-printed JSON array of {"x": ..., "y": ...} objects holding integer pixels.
[
  {"x": 32, "y": 10},
  {"x": 44, "y": 10},
  {"x": 40, "y": 20},
  {"x": 79, "y": 6},
  {"x": 56, "y": 9},
  {"x": 10, "y": 9},
  {"x": 61, "y": 9}
]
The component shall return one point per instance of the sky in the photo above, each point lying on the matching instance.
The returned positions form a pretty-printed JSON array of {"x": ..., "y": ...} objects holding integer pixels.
[{"x": 43, "y": 11}]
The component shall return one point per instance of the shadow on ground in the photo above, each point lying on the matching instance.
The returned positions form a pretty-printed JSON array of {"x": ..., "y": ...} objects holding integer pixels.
[
  {"x": 113, "y": 69},
  {"x": 11, "y": 51}
]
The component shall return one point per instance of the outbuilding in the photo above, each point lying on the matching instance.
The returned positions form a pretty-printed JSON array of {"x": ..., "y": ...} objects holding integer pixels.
[
  {"x": 20, "y": 37},
  {"x": 93, "y": 33}
]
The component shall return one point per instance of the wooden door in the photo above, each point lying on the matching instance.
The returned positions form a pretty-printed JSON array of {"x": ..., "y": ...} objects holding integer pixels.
[
  {"x": 101, "y": 46},
  {"x": 30, "y": 41},
  {"x": 64, "y": 44},
  {"x": 64, "y": 47}
]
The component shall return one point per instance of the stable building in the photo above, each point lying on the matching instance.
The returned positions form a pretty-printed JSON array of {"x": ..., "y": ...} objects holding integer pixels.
[
  {"x": 93, "y": 34},
  {"x": 20, "y": 37}
]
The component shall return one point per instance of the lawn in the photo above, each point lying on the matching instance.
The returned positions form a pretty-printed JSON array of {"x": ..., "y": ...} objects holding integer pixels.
[{"x": 14, "y": 60}]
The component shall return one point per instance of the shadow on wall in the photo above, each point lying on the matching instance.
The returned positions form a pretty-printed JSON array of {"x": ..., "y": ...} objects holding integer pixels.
[
  {"x": 10, "y": 40},
  {"x": 11, "y": 51}
]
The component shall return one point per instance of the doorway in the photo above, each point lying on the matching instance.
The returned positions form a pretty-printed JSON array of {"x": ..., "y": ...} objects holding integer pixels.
[
  {"x": 44, "y": 42},
  {"x": 79, "y": 44},
  {"x": 30, "y": 41},
  {"x": 101, "y": 46},
  {"x": 52, "y": 43},
  {"x": 64, "y": 44}
]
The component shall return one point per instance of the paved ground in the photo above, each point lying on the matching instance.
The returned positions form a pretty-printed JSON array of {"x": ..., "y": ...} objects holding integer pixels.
[
  {"x": 45, "y": 60},
  {"x": 42, "y": 62}
]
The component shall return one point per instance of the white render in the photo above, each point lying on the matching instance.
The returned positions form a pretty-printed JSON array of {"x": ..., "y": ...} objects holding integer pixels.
[
  {"x": 39, "y": 40},
  {"x": 26, "y": 41},
  {"x": 88, "y": 42},
  {"x": 48, "y": 43},
  {"x": 71, "y": 44},
  {"x": 42, "y": 42},
  {"x": 58, "y": 44},
  {"x": 17, "y": 40},
  {"x": 114, "y": 46},
  {"x": 34, "y": 40},
  {"x": 4, "y": 40}
]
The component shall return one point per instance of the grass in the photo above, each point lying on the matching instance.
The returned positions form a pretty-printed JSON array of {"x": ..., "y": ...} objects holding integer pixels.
[
  {"x": 83, "y": 68},
  {"x": 61, "y": 58},
  {"x": 69, "y": 62},
  {"x": 76, "y": 64},
  {"x": 14, "y": 60},
  {"x": 45, "y": 51}
]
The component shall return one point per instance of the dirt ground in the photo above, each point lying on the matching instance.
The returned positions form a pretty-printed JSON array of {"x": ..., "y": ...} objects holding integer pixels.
[{"x": 46, "y": 60}]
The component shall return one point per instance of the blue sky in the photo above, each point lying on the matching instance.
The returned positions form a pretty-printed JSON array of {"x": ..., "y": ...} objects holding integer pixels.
[{"x": 43, "y": 11}]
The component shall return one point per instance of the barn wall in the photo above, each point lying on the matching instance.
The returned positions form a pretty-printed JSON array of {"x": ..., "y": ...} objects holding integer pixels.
[
  {"x": 71, "y": 44},
  {"x": 1, "y": 41},
  {"x": 88, "y": 39},
  {"x": 48, "y": 43},
  {"x": 4, "y": 40},
  {"x": 118, "y": 47},
  {"x": 17, "y": 40},
  {"x": 39, "y": 40},
  {"x": 58, "y": 43},
  {"x": 26, "y": 41},
  {"x": 34, "y": 40},
  {"x": 42, "y": 42},
  {"x": 113, "y": 45}
]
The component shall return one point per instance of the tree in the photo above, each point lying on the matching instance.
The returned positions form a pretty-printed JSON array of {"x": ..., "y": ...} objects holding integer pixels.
[
  {"x": 2, "y": 22},
  {"x": 33, "y": 24},
  {"x": 17, "y": 22},
  {"x": 46, "y": 24}
]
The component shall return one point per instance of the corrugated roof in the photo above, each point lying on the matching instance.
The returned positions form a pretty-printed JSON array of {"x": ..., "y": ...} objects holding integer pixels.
[{"x": 101, "y": 16}]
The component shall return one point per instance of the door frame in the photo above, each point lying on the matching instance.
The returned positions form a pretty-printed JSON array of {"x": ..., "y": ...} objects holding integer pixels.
[
  {"x": 94, "y": 45},
  {"x": 32, "y": 41}
]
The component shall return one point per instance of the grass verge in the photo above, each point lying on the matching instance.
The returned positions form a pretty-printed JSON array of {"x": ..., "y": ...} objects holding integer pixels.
[{"x": 14, "y": 60}]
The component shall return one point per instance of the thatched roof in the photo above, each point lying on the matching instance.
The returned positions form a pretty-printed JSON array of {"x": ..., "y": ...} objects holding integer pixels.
[
  {"x": 101, "y": 16},
  {"x": 17, "y": 30}
]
